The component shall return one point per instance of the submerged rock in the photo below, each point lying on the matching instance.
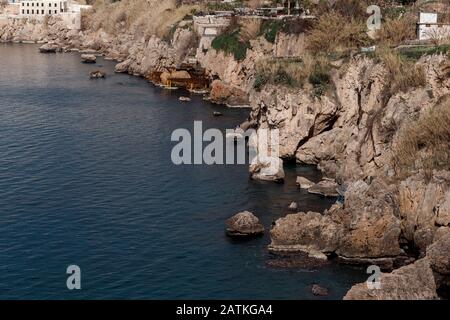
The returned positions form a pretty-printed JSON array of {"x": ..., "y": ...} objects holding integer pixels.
[
  {"x": 267, "y": 169},
  {"x": 88, "y": 58},
  {"x": 244, "y": 224},
  {"x": 296, "y": 261},
  {"x": 319, "y": 291},
  {"x": 184, "y": 99},
  {"x": 97, "y": 74},
  {"x": 217, "y": 114},
  {"x": 326, "y": 188}
]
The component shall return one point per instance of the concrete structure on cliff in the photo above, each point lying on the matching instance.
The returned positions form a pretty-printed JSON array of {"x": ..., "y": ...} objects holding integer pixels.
[
  {"x": 41, "y": 8},
  {"x": 428, "y": 27},
  {"x": 208, "y": 27}
]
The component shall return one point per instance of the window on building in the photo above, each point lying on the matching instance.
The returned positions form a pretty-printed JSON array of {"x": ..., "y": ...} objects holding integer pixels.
[
  {"x": 56, "y": 11},
  {"x": 49, "y": 11},
  {"x": 23, "y": 11},
  {"x": 28, "y": 4},
  {"x": 56, "y": 5},
  {"x": 42, "y": 4},
  {"x": 32, "y": 4},
  {"x": 28, "y": 11},
  {"x": 42, "y": 11}
]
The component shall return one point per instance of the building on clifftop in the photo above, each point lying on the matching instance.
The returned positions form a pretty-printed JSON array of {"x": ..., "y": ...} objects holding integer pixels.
[
  {"x": 68, "y": 11},
  {"x": 41, "y": 8},
  {"x": 429, "y": 28}
]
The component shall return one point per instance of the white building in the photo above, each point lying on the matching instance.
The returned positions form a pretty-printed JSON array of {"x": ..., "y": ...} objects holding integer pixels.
[
  {"x": 67, "y": 10},
  {"x": 428, "y": 27},
  {"x": 41, "y": 8}
]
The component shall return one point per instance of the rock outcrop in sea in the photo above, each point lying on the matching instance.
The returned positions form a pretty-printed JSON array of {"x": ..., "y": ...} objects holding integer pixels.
[{"x": 244, "y": 224}]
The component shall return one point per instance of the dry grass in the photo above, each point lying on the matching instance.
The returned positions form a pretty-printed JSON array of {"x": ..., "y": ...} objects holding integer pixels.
[
  {"x": 402, "y": 74},
  {"x": 396, "y": 31},
  {"x": 424, "y": 144},
  {"x": 334, "y": 32},
  {"x": 355, "y": 9},
  {"x": 250, "y": 29},
  {"x": 291, "y": 72},
  {"x": 143, "y": 17}
]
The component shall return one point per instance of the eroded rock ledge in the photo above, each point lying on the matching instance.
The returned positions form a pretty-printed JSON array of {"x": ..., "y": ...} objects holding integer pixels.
[{"x": 385, "y": 225}]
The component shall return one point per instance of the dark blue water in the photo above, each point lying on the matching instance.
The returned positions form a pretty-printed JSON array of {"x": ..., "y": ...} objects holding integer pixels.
[{"x": 86, "y": 179}]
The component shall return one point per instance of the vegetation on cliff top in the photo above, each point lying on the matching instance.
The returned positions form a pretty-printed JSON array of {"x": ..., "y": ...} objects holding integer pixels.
[
  {"x": 312, "y": 70},
  {"x": 401, "y": 74},
  {"x": 229, "y": 42},
  {"x": 142, "y": 18},
  {"x": 425, "y": 143}
]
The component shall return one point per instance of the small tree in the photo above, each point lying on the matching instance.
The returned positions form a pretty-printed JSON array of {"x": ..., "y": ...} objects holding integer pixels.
[{"x": 3, "y": 3}]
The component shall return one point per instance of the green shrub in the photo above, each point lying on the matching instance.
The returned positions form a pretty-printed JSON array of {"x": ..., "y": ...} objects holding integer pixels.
[
  {"x": 261, "y": 79},
  {"x": 415, "y": 53},
  {"x": 285, "y": 72},
  {"x": 294, "y": 72},
  {"x": 269, "y": 30},
  {"x": 283, "y": 78},
  {"x": 320, "y": 79},
  {"x": 230, "y": 43}
]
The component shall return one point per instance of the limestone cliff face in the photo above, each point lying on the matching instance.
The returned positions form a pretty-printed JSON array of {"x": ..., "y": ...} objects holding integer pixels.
[
  {"x": 349, "y": 134},
  {"x": 296, "y": 114},
  {"x": 290, "y": 45},
  {"x": 235, "y": 76},
  {"x": 234, "y": 79}
]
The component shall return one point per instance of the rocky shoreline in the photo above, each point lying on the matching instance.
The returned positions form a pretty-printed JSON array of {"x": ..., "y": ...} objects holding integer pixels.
[{"x": 384, "y": 220}]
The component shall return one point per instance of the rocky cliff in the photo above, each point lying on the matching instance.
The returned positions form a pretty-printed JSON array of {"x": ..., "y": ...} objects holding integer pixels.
[
  {"x": 139, "y": 55},
  {"x": 349, "y": 133}
]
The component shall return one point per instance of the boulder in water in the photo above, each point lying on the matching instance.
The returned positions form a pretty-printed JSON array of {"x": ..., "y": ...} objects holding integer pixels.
[
  {"x": 244, "y": 224},
  {"x": 267, "y": 169},
  {"x": 319, "y": 291},
  {"x": 48, "y": 48},
  {"x": 88, "y": 58},
  {"x": 326, "y": 188},
  {"x": 97, "y": 74},
  {"x": 304, "y": 183}
]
